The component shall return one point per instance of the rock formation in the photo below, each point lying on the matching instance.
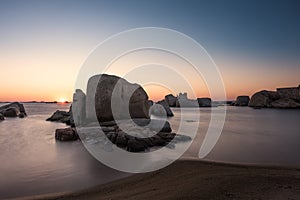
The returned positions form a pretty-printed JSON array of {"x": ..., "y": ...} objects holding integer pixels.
[
  {"x": 183, "y": 101},
  {"x": 13, "y": 110},
  {"x": 116, "y": 98},
  {"x": 171, "y": 100},
  {"x": 161, "y": 108},
  {"x": 242, "y": 101},
  {"x": 204, "y": 102},
  {"x": 282, "y": 98},
  {"x": 66, "y": 134}
]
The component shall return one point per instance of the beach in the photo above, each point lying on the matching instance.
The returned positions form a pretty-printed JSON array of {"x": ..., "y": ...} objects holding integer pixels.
[{"x": 194, "y": 179}]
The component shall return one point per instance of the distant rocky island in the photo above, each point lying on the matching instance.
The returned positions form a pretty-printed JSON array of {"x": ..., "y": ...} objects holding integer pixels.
[{"x": 281, "y": 98}]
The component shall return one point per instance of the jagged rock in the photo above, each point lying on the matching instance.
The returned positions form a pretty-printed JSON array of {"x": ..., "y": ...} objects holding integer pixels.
[
  {"x": 171, "y": 100},
  {"x": 242, "y": 101},
  {"x": 13, "y": 110},
  {"x": 66, "y": 134},
  {"x": 204, "y": 102},
  {"x": 183, "y": 101}
]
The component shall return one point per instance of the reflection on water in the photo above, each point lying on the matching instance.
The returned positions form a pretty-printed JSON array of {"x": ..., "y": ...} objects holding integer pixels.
[{"x": 32, "y": 162}]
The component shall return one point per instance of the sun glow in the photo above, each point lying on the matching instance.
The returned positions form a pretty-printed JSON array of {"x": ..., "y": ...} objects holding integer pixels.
[{"x": 62, "y": 100}]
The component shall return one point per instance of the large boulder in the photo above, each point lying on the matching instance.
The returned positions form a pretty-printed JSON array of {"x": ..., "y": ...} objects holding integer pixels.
[
  {"x": 171, "y": 100},
  {"x": 13, "y": 110},
  {"x": 204, "y": 102},
  {"x": 242, "y": 101},
  {"x": 263, "y": 99},
  {"x": 116, "y": 98},
  {"x": 161, "y": 108}
]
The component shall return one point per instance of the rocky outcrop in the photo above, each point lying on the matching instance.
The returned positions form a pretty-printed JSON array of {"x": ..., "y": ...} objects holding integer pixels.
[
  {"x": 271, "y": 99},
  {"x": 263, "y": 99},
  {"x": 171, "y": 100},
  {"x": 242, "y": 101},
  {"x": 285, "y": 103},
  {"x": 1, "y": 117},
  {"x": 66, "y": 134},
  {"x": 116, "y": 98},
  {"x": 204, "y": 102},
  {"x": 289, "y": 93},
  {"x": 161, "y": 108},
  {"x": 183, "y": 101},
  {"x": 135, "y": 138},
  {"x": 13, "y": 110}
]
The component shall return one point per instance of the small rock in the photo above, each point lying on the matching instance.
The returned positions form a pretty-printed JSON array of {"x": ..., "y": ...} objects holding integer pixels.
[{"x": 66, "y": 134}]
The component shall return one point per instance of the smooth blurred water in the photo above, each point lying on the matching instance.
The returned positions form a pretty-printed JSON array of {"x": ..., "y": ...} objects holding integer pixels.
[
  {"x": 32, "y": 162},
  {"x": 254, "y": 136}
]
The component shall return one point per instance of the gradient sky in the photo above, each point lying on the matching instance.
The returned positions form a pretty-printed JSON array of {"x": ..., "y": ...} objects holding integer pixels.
[{"x": 256, "y": 44}]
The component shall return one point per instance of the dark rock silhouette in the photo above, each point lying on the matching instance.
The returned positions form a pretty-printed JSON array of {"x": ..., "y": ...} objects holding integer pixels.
[
  {"x": 117, "y": 93},
  {"x": 282, "y": 98},
  {"x": 204, "y": 102},
  {"x": 171, "y": 100},
  {"x": 14, "y": 109},
  {"x": 242, "y": 101},
  {"x": 66, "y": 134}
]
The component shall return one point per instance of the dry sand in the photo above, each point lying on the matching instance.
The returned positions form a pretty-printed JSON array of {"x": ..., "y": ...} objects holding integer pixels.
[{"x": 198, "y": 180}]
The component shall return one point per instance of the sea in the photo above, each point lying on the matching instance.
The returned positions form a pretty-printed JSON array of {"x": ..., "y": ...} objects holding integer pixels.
[{"x": 34, "y": 163}]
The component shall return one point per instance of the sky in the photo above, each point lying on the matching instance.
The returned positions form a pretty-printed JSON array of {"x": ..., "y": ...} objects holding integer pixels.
[{"x": 43, "y": 44}]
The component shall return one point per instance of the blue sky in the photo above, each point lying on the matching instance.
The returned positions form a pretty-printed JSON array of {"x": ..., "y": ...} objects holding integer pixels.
[{"x": 258, "y": 33}]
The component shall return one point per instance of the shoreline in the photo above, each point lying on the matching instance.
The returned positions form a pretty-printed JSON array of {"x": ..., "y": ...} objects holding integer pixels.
[{"x": 189, "y": 178}]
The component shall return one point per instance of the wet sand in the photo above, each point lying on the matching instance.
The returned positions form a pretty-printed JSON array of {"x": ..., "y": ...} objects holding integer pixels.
[{"x": 194, "y": 179}]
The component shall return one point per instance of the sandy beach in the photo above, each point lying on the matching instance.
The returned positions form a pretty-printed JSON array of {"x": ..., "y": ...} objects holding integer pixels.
[{"x": 192, "y": 179}]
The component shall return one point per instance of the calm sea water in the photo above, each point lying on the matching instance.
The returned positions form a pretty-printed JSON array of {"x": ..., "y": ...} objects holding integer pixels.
[{"x": 32, "y": 162}]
